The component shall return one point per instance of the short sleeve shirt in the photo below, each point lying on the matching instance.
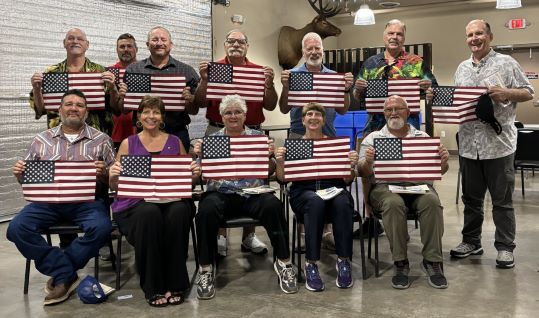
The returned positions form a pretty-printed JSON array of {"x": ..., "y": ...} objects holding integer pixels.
[{"x": 478, "y": 140}]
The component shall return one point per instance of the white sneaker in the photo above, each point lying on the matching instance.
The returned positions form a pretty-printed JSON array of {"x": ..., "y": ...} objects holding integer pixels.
[
  {"x": 252, "y": 244},
  {"x": 221, "y": 245},
  {"x": 505, "y": 259}
]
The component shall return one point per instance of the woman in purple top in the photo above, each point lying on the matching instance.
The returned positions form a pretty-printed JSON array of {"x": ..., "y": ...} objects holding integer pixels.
[{"x": 159, "y": 230}]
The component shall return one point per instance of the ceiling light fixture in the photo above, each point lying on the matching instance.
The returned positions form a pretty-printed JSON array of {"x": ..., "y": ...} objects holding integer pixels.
[
  {"x": 508, "y": 4},
  {"x": 364, "y": 16}
]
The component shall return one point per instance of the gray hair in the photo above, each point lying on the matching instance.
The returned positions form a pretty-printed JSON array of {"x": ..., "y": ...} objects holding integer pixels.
[
  {"x": 396, "y": 22},
  {"x": 162, "y": 28},
  {"x": 232, "y": 100},
  {"x": 396, "y": 97},
  {"x": 485, "y": 23},
  {"x": 311, "y": 36},
  {"x": 239, "y": 31}
]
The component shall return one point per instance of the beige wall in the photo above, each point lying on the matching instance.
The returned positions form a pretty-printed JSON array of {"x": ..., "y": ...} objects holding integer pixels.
[{"x": 442, "y": 26}]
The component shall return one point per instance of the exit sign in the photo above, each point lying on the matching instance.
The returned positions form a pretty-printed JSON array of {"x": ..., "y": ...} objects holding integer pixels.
[{"x": 516, "y": 24}]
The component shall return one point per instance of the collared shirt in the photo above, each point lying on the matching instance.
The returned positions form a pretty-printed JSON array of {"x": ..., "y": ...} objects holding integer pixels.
[
  {"x": 123, "y": 125},
  {"x": 385, "y": 133},
  {"x": 89, "y": 145},
  {"x": 406, "y": 66},
  {"x": 478, "y": 140},
  {"x": 99, "y": 119},
  {"x": 235, "y": 186},
  {"x": 174, "y": 121},
  {"x": 295, "y": 113},
  {"x": 255, "y": 113}
]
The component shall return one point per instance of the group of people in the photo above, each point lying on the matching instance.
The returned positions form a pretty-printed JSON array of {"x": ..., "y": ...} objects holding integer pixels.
[{"x": 159, "y": 230}]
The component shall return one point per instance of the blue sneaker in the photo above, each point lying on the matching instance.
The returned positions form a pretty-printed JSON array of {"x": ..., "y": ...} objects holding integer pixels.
[
  {"x": 344, "y": 274},
  {"x": 313, "y": 282}
]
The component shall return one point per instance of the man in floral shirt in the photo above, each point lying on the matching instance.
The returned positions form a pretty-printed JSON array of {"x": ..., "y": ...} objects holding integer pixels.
[{"x": 393, "y": 63}]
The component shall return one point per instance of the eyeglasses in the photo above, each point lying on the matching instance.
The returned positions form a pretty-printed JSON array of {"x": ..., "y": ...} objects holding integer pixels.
[
  {"x": 232, "y": 41},
  {"x": 396, "y": 110},
  {"x": 232, "y": 113}
]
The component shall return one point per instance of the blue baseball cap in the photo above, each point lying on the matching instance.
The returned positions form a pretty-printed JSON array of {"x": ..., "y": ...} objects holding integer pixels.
[{"x": 90, "y": 291}]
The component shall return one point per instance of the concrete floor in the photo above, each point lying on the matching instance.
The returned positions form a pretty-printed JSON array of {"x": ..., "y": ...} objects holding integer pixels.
[{"x": 246, "y": 284}]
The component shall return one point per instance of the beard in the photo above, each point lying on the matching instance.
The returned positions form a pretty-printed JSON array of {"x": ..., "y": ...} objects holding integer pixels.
[
  {"x": 396, "y": 123},
  {"x": 314, "y": 62}
]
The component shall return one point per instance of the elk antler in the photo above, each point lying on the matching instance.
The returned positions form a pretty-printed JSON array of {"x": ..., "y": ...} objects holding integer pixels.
[{"x": 323, "y": 10}]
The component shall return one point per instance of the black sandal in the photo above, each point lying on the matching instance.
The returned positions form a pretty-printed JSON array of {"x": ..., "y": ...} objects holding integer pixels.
[
  {"x": 156, "y": 297},
  {"x": 171, "y": 299}
]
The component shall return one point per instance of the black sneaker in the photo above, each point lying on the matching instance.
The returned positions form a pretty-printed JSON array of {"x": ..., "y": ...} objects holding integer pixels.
[
  {"x": 435, "y": 274},
  {"x": 400, "y": 278},
  {"x": 466, "y": 249},
  {"x": 205, "y": 288}
]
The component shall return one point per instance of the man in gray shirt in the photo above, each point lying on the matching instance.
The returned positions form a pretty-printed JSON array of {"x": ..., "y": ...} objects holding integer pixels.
[
  {"x": 487, "y": 158},
  {"x": 160, "y": 44}
]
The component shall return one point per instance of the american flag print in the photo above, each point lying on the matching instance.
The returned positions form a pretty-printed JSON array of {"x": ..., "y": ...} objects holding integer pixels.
[
  {"x": 228, "y": 79},
  {"x": 324, "y": 88},
  {"x": 378, "y": 90},
  {"x": 407, "y": 159},
  {"x": 156, "y": 177},
  {"x": 454, "y": 104},
  {"x": 118, "y": 74},
  {"x": 59, "y": 181},
  {"x": 167, "y": 86},
  {"x": 236, "y": 157},
  {"x": 56, "y": 84},
  {"x": 314, "y": 159}
]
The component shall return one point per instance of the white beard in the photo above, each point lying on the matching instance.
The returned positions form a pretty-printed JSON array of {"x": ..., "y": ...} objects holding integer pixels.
[{"x": 396, "y": 123}]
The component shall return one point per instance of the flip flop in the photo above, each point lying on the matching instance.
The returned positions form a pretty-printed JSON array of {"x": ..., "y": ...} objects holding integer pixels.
[
  {"x": 156, "y": 297},
  {"x": 173, "y": 295}
]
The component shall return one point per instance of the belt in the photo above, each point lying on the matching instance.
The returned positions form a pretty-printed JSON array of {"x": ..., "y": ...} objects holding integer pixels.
[{"x": 219, "y": 125}]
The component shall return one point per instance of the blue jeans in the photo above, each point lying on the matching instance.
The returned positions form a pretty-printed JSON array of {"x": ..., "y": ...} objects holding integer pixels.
[{"x": 24, "y": 229}]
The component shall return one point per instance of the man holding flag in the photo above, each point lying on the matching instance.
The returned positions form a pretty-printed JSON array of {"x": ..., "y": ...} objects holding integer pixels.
[
  {"x": 160, "y": 44},
  {"x": 71, "y": 141},
  {"x": 236, "y": 45},
  {"x": 76, "y": 45},
  {"x": 392, "y": 207}
]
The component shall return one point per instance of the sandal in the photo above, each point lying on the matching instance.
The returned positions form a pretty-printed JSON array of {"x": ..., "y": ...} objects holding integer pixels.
[
  {"x": 171, "y": 300},
  {"x": 153, "y": 301}
]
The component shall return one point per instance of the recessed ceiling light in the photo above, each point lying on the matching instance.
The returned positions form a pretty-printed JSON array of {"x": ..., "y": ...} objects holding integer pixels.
[{"x": 389, "y": 4}]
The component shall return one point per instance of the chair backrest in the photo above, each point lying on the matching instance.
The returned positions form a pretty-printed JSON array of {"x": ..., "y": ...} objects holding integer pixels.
[
  {"x": 519, "y": 124},
  {"x": 527, "y": 141}
]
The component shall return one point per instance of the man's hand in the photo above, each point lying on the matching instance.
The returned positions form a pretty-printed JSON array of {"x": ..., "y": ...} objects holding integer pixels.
[
  {"x": 271, "y": 146},
  {"x": 280, "y": 154},
  {"x": 285, "y": 76},
  {"x": 360, "y": 86},
  {"x": 100, "y": 168},
  {"x": 195, "y": 169},
  {"x": 424, "y": 84},
  {"x": 369, "y": 155},
  {"x": 203, "y": 70},
  {"x": 18, "y": 169},
  {"x": 444, "y": 154},
  {"x": 187, "y": 96},
  {"x": 499, "y": 94},
  {"x": 348, "y": 80},
  {"x": 197, "y": 149},
  {"x": 353, "y": 156},
  {"x": 268, "y": 75},
  {"x": 122, "y": 90},
  {"x": 108, "y": 78},
  {"x": 37, "y": 81}
]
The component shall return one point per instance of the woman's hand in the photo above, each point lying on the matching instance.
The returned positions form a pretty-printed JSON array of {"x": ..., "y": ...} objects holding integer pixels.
[{"x": 115, "y": 170}]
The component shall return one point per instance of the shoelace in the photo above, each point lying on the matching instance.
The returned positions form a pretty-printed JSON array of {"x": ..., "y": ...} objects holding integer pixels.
[
  {"x": 436, "y": 268},
  {"x": 204, "y": 280},
  {"x": 288, "y": 273}
]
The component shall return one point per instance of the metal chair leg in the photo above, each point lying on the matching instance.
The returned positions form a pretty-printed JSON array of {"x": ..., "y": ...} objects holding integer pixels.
[
  {"x": 27, "y": 275},
  {"x": 96, "y": 267},
  {"x": 376, "y": 259},
  {"x": 118, "y": 261}
]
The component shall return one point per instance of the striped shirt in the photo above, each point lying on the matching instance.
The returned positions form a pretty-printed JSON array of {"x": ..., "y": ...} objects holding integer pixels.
[{"x": 89, "y": 145}]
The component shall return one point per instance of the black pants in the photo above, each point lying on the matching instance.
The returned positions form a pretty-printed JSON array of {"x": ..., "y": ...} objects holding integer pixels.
[
  {"x": 160, "y": 235},
  {"x": 216, "y": 207}
]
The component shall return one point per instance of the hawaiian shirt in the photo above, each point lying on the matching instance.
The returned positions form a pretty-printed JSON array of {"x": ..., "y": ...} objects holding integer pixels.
[
  {"x": 407, "y": 66},
  {"x": 99, "y": 119},
  {"x": 478, "y": 140},
  {"x": 235, "y": 186}
]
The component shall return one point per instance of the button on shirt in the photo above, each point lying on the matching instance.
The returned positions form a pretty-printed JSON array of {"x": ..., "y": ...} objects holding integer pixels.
[{"x": 478, "y": 140}]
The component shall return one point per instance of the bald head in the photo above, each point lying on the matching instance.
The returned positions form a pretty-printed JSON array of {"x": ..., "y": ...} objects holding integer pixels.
[{"x": 76, "y": 43}]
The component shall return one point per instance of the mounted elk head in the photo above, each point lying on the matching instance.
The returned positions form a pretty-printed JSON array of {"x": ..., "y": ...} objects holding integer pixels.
[{"x": 289, "y": 46}]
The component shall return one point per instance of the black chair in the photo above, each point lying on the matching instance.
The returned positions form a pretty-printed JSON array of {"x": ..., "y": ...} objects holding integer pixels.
[
  {"x": 60, "y": 229},
  {"x": 296, "y": 237},
  {"x": 526, "y": 156}
]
